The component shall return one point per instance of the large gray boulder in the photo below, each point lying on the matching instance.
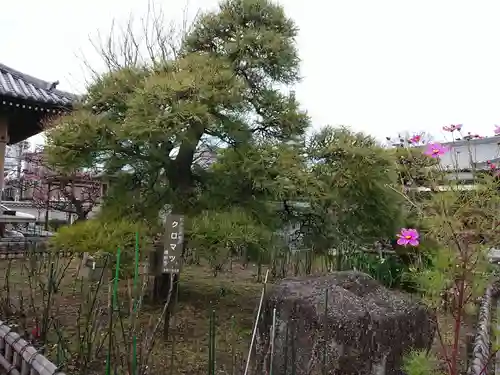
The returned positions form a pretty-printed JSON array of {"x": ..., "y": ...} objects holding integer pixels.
[{"x": 368, "y": 327}]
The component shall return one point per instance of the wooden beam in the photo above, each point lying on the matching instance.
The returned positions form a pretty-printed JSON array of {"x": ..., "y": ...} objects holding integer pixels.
[{"x": 4, "y": 140}]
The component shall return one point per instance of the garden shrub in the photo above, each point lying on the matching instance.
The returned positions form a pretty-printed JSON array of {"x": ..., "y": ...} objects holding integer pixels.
[
  {"x": 101, "y": 239},
  {"x": 458, "y": 224}
]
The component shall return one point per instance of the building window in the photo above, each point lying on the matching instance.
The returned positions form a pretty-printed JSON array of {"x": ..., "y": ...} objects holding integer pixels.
[{"x": 8, "y": 194}]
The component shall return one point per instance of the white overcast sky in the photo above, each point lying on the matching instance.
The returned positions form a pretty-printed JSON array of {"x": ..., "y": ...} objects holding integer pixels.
[{"x": 380, "y": 66}]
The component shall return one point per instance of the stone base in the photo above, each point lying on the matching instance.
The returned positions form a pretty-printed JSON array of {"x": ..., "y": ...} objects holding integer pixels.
[{"x": 367, "y": 329}]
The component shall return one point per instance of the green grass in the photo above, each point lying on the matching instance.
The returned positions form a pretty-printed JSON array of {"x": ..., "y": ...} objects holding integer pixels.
[{"x": 234, "y": 298}]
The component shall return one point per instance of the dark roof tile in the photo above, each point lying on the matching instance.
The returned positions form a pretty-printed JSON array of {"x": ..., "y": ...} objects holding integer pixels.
[{"x": 18, "y": 85}]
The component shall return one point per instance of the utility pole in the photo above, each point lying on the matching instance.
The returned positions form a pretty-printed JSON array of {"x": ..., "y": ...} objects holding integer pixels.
[
  {"x": 47, "y": 208},
  {"x": 19, "y": 164},
  {"x": 21, "y": 148}
]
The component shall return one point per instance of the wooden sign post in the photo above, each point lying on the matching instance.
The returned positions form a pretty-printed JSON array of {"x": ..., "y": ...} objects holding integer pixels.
[
  {"x": 166, "y": 260},
  {"x": 171, "y": 264},
  {"x": 174, "y": 239}
]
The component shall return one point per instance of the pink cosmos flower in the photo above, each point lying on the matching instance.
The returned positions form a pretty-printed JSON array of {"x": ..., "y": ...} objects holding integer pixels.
[
  {"x": 35, "y": 332},
  {"x": 497, "y": 130},
  {"x": 493, "y": 166},
  {"x": 470, "y": 136},
  {"x": 415, "y": 139},
  {"x": 452, "y": 128},
  {"x": 435, "y": 150},
  {"x": 408, "y": 237}
]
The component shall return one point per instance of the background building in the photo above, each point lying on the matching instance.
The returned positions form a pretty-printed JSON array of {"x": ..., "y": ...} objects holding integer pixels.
[{"x": 464, "y": 156}]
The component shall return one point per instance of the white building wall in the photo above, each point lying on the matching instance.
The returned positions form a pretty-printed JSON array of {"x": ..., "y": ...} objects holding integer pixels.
[
  {"x": 14, "y": 154},
  {"x": 11, "y": 159},
  {"x": 27, "y": 207},
  {"x": 463, "y": 153}
]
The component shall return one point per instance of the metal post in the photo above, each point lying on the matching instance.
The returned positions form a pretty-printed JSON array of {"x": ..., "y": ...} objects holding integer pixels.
[
  {"x": 22, "y": 146},
  {"x": 4, "y": 139},
  {"x": 47, "y": 206}
]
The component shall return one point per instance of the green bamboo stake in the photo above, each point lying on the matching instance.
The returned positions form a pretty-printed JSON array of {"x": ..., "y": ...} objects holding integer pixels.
[
  {"x": 117, "y": 276},
  {"x": 293, "y": 337},
  {"x": 287, "y": 339},
  {"x": 273, "y": 337},
  {"x": 136, "y": 277},
  {"x": 293, "y": 347},
  {"x": 214, "y": 349},
  {"x": 325, "y": 335},
  {"x": 114, "y": 305},
  {"x": 211, "y": 344},
  {"x": 233, "y": 349}
]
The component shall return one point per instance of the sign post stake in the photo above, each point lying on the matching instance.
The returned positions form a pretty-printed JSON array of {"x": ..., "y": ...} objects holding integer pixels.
[{"x": 168, "y": 265}]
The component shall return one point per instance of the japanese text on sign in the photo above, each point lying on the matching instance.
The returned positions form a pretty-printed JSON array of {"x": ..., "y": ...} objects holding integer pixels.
[{"x": 174, "y": 237}]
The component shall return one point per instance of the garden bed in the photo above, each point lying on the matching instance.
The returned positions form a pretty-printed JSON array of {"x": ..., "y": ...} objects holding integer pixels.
[{"x": 233, "y": 295}]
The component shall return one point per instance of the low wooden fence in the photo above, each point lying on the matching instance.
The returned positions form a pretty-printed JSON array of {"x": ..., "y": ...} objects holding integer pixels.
[
  {"x": 18, "y": 357},
  {"x": 22, "y": 244},
  {"x": 14, "y": 248},
  {"x": 25, "y": 254}
]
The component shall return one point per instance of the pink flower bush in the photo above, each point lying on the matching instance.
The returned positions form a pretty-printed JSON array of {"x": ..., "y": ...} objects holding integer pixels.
[
  {"x": 493, "y": 168},
  {"x": 35, "y": 332},
  {"x": 435, "y": 150},
  {"x": 452, "y": 128},
  {"x": 470, "y": 136},
  {"x": 408, "y": 237},
  {"x": 497, "y": 130},
  {"x": 415, "y": 139}
]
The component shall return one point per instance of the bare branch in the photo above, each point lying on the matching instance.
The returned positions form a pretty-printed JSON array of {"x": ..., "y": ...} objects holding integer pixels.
[
  {"x": 77, "y": 192},
  {"x": 150, "y": 40}
]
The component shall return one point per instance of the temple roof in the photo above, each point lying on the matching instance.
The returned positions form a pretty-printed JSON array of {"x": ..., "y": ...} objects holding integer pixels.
[
  {"x": 28, "y": 102},
  {"x": 21, "y": 86}
]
